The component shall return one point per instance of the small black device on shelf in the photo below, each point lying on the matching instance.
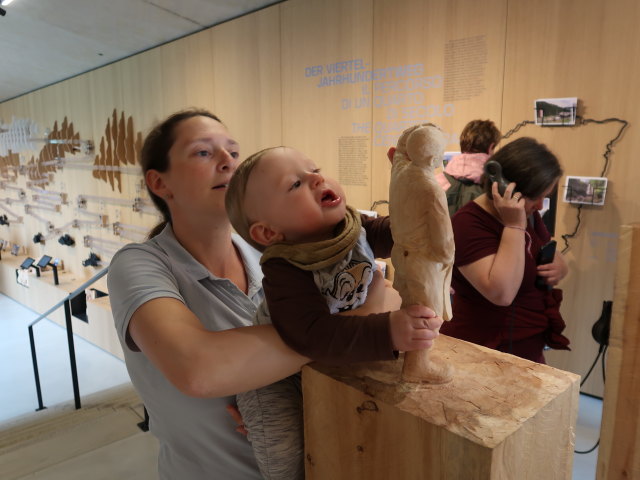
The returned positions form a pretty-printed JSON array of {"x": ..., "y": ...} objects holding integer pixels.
[
  {"x": 92, "y": 261},
  {"x": 28, "y": 263},
  {"x": 45, "y": 262},
  {"x": 67, "y": 240},
  {"x": 38, "y": 238}
]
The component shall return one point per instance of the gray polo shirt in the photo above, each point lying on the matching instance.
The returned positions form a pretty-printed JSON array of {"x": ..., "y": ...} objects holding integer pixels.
[{"x": 197, "y": 436}]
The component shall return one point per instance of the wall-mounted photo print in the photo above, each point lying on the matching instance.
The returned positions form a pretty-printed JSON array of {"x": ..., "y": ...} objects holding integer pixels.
[
  {"x": 447, "y": 157},
  {"x": 587, "y": 190},
  {"x": 556, "y": 111}
]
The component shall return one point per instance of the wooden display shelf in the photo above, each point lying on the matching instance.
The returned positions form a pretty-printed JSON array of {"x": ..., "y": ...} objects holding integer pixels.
[
  {"x": 42, "y": 294},
  {"x": 501, "y": 417}
]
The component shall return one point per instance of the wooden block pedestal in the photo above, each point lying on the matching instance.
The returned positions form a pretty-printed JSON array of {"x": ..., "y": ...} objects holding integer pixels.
[{"x": 501, "y": 417}]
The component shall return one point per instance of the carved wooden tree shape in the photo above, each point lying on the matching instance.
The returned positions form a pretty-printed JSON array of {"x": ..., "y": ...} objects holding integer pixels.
[
  {"x": 35, "y": 168},
  {"x": 118, "y": 147},
  {"x": 8, "y": 166},
  {"x": 38, "y": 167},
  {"x": 423, "y": 250}
]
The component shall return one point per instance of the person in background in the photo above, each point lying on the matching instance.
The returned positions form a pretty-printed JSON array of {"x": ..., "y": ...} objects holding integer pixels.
[
  {"x": 461, "y": 177},
  {"x": 497, "y": 237}
]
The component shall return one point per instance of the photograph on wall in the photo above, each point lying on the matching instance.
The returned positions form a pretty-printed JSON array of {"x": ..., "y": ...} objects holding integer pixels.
[
  {"x": 447, "y": 157},
  {"x": 556, "y": 111},
  {"x": 585, "y": 190}
]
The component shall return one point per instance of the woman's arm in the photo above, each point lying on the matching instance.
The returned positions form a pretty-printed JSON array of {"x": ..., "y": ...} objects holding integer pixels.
[
  {"x": 498, "y": 277},
  {"x": 202, "y": 363},
  {"x": 302, "y": 317}
]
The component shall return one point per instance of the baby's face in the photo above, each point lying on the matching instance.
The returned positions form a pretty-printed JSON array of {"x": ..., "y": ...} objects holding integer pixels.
[{"x": 287, "y": 194}]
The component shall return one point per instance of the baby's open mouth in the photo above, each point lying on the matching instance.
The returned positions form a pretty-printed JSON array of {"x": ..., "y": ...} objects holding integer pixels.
[{"x": 329, "y": 198}]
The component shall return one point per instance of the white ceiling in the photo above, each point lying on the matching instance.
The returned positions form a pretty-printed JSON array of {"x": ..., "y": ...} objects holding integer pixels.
[{"x": 45, "y": 41}]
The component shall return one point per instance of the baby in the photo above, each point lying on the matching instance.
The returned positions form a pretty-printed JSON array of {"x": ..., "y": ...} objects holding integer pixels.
[{"x": 318, "y": 263}]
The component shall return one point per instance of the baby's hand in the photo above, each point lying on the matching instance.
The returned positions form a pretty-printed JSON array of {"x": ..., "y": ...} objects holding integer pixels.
[
  {"x": 235, "y": 414},
  {"x": 414, "y": 328}
]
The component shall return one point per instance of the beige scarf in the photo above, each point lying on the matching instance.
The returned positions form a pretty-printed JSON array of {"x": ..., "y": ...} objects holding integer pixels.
[{"x": 317, "y": 255}]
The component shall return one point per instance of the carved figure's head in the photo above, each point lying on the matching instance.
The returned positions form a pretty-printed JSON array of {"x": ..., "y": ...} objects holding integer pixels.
[{"x": 421, "y": 144}]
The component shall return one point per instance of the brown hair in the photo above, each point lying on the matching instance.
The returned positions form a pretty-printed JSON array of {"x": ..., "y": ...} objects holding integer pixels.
[
  {"x": 478, "y": 135},
  {"x": 235, "y": 197},
  {"x": 528, "y": 163},
  {"x": 155, "y": 155}
]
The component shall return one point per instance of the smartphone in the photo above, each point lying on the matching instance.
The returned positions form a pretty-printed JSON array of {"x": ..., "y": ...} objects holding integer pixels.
[
  {"x": 493, "y": 170},
  {"x": 545, "y": 255}
]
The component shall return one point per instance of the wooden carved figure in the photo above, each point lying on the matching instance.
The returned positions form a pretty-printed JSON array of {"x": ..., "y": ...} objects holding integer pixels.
[{"x": 423, "y": 250}]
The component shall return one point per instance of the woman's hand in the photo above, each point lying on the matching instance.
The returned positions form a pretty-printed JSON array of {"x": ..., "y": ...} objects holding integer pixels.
[
  {"x": 414, "y": 328},
  {"x": 510, "y": 206},
  {"x": 555, "y": 271}
]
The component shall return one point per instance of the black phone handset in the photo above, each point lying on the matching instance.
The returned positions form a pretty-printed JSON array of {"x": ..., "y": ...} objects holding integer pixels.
[{"x": 493, "y": 170}]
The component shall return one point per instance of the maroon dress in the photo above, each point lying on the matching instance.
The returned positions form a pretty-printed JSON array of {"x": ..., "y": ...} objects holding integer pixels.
[{"x": 533, "y": 319}]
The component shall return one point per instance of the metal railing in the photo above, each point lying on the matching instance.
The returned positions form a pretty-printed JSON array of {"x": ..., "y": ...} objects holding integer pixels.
[{"x": 69, "y": 326}]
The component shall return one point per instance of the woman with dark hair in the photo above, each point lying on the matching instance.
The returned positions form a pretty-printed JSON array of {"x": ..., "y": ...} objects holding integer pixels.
[
  {"x": 178, "y": 298},
  {"x": 496, "y": 301}
]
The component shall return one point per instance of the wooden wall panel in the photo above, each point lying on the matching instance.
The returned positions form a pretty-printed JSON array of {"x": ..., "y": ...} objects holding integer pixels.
[
  {"x": 619, "y": 455},
  {"x": 257, "y": 72},
  {"x": 186, "y": 74},
  {"x": 142, "y": 95},
  {"x": 143, "y": 103},
  {"x": 456, "y": 51},
  {"x": 326, "y": 54},
  {"x": 576, "y": 48},
  {"x": 247, "y": 86}
]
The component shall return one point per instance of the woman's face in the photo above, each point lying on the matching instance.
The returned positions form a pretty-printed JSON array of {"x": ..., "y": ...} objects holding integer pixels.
[
  {"x": 533, "y": 204},
  {"x": 201, "y": 161}
]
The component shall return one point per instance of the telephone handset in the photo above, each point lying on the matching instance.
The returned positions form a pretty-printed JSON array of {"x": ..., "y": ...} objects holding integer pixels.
[{"x": 493, "y": 170}]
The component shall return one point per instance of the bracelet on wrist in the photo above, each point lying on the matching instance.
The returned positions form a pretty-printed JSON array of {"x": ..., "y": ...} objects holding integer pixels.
[{"x": 516, "y": 227}]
